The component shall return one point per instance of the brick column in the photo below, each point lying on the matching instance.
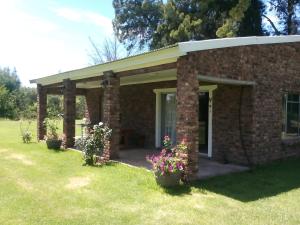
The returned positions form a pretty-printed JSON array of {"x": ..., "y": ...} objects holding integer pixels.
[
  {"x": 41, "y": 111},
  {"x": 111, "y": 110},
  {"x": 187, "y": 111},
  {"x": 93, "y": 105},
  {"x": 69, "y": 112}
]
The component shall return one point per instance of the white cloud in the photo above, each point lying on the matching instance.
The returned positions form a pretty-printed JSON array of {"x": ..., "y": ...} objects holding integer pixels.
[
  {"x": 85, "y": 16},
  {"x": 36, "y": 45}
]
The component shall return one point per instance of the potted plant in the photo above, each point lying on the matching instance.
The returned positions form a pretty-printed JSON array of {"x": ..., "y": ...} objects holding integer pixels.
[
  {"x": 169, "y": 166},
  {"x": 52, "y": 139}
]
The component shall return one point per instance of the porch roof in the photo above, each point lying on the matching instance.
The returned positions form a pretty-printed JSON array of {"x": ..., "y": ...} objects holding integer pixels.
[{"x": 161, "y": 56}]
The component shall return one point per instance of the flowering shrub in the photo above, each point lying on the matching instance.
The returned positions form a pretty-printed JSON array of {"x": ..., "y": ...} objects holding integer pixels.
[
  {"x": 94, "y": 143},
  {"x": 170, "y": 160},
  {"x": 25, "y": 133},
  {"x": 52, "y": 128}
]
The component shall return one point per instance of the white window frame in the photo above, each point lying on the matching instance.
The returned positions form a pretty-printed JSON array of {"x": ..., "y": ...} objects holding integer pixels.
[
  {"x": 284, "y": 132},
  {"x": 159, "y": 92}
]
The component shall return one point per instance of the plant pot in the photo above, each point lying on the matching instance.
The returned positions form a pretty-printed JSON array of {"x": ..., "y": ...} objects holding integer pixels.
[
  {"x": 53, "y": 144},
  {"x": 168, "y": 180}
]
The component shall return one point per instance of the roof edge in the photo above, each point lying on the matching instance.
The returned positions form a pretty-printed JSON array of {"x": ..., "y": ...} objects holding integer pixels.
[{"x": 192, "y": 46}]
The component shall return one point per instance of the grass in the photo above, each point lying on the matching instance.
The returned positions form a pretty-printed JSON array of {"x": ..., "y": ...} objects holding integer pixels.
[{"x": 39, "y": 186}]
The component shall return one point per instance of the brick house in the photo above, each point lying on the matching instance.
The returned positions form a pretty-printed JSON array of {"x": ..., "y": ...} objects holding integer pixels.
[{"x": 234, "y": 100}]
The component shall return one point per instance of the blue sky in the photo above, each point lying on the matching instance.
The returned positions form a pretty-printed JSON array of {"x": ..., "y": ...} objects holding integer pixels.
[{"x": 44, "y": 37}]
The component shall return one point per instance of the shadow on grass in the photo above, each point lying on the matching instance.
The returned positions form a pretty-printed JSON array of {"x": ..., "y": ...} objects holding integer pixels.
[
  {"x": 178, "y": 190},
  {"x": 262, "y": 182}
]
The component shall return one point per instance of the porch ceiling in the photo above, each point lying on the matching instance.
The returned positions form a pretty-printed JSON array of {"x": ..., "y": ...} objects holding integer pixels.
[{"x": 164, "y": 75}]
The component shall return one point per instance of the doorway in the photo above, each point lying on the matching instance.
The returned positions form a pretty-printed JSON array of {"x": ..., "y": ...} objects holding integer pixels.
[
  {"x": 203, "y": 122},
  {"x": 165, "y": 121}
]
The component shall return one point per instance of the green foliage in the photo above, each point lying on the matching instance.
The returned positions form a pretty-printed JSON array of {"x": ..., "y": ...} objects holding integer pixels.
[
  {"x": 80, "y": 107},
  {"x": 15, "y": 101},
  {"x": 179, "y": 20},
  {"x": 7, "y": 104},
  {"x": 94, "y": 143},
  {"x": 136, "y": 21},
  {"x": 232, "y": 24},
  {"x": 26, "y": 102},
  {"x": 54, "y": 106},
  {"x": 9, "y": 79}
]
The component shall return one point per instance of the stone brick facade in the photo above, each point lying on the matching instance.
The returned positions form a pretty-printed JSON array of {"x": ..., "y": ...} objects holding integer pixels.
[
  {"x": 41, "y": 111},
  {"x": 138, "y": 109},
  {"x": 69, "y": 112},
  {"x": 111, "y": 110},
  {"x": 275, "y": 69},
  {"x": 187, "y": 111},
  {"x": 246, "y": 119},
  {"x": 94, "y": 105}
]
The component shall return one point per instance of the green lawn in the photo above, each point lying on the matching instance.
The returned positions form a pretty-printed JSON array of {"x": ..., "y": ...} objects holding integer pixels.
[{"x": 39, "y": 186}]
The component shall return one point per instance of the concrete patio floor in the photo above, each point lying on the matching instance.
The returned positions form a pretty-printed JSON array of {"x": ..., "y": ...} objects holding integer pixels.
[{"x": 207, "y": 167}]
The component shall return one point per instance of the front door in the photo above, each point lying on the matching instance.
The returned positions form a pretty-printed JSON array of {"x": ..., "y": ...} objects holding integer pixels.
[{"x": 203, "y": 122}]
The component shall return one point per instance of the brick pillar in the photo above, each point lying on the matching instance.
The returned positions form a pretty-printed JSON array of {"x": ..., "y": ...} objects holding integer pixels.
[
  {"x": 187, "y": 112},
  {"x": 93, "y": 105},
  {"x": 41, "y": 111},
  {"x": 69, "y": 112},
  {"x": 111, "y": 111}
]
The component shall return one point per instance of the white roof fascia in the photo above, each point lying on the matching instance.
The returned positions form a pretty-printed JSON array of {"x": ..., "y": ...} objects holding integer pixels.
[
  {"x": 193, "y": 46},
  {"x": 154, "y": 58}
]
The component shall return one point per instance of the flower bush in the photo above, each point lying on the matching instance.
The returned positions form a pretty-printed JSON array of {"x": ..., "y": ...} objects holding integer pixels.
[
  {"x": 25, "y": 132},
  {"x": 53, "y": 140},
  {"x": 170, "y": 160},
  {"x": 52, "y": 128},
  {"x": 94, "y": 143}
]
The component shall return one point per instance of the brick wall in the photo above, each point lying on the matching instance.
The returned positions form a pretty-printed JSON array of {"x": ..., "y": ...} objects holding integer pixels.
[
  {"x": 275, "y": 68},
  {"x": 138, "y": 108},
  {"x": 93, "y": 105}
]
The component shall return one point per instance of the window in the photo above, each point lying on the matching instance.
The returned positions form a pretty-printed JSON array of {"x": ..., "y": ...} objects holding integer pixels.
[{"x": 291, "y": 114}]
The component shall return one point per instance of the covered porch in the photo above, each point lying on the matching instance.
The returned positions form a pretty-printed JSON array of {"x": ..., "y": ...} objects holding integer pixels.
[{"x": 159, "y": 93}]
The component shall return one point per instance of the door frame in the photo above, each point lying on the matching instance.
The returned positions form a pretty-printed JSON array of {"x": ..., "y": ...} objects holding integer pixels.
[{"x": 159, "y": 92}]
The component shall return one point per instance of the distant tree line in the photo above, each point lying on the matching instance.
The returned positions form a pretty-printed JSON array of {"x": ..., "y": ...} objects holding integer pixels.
[{"x": 18, "y": 102}]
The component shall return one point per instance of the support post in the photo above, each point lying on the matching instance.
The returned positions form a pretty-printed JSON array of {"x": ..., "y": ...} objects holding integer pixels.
[
  {"x": 111, "y": 111},
  {"x": 93, "y": 106},
  {"x": 187, "y": 112},
  {"x": 69, "y": 112},
  {"x": 41, "y": 111}
]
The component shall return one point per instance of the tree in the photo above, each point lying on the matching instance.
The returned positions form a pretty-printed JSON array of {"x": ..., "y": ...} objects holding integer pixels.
[
  {"x": 26, "y": 102},
  {"x": 7, "y": 104},
  {"x": 245, "y": 19},
  {"x": 110, "y": 50},
  {"x": 184, "y": 20},
  {"x": 288, "y": 14},
  {"x": 135, "y": 21},
  {"x": 9, "y": 79}
]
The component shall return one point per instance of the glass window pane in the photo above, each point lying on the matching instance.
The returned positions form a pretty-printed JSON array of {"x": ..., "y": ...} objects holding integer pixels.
[
  {"x": 292, "y": 118},
  {"x": 169, "y": 116},
  {"x": 293, "y": 97}
]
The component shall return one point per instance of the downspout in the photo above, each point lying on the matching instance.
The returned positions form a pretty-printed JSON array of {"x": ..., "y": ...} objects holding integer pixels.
[{"x": 241, "y": 129}]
